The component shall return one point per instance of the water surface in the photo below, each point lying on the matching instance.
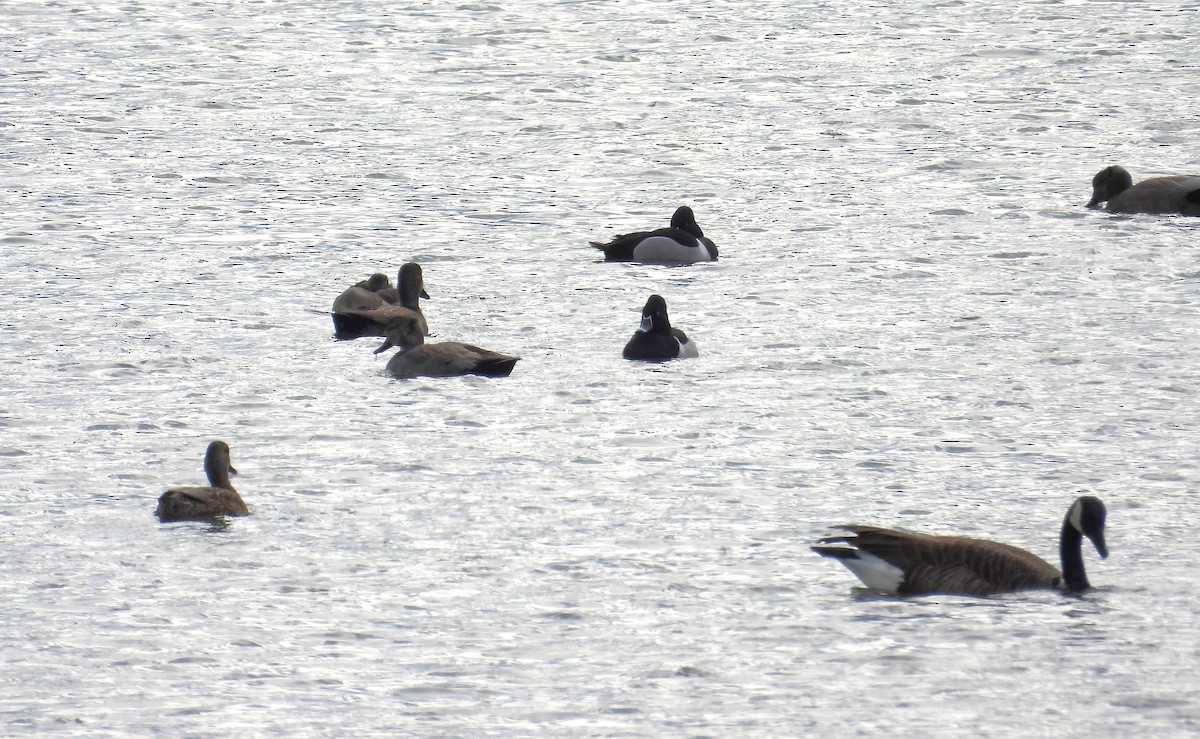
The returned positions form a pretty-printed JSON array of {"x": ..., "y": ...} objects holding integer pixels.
[{"x": 914, "y": 322}]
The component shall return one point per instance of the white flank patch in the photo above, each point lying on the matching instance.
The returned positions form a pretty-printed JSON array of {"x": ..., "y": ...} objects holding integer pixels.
[
  {"x": 688, "y": 350},
  {"x": 663, "y": 249},
  {"x": 875, "y": 573}
]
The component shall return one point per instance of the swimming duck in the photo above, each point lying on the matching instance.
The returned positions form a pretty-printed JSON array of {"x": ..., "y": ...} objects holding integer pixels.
[
  {"x": 443, "y": 359},
  {"x": 904, "y": 563},
  {"x": 655, "y": 339},
  {"x": 363, "y": 313},
  {"x": 1178, "y": 194},
  {"x": 363, "y": 295},
  {"x": 682, "y": 243},
  {"x": 201, "y": 503}
]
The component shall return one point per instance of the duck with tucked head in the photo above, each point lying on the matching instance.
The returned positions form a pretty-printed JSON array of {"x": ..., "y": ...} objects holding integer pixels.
[
  {"x": 682, "y": 243},
  {"x": 363, "y": 295},
  {"x": 1178, "y": 194},
  {"x": 361, "y": 311},
  {"x": 443, "y": 359},
  {"x": 205, "y": 503},
  {"x": 903, "y": 563},
  {"x": 656, "y": 340}
]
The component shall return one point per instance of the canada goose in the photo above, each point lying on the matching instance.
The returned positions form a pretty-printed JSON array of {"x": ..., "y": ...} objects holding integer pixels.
[
  {"x": 1179, "y": 194},
  {"x": 443, "y": 359},
  {"x": 201, "y": 503},
  {"x": 904, "y": 563},
  {"x": 682, "y": 243},
  {"x": 363, "y": 315},
  {"x": 655, "y": 340}
]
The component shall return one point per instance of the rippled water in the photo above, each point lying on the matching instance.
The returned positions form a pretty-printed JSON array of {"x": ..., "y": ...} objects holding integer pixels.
[{"x": 914, "y": 322}]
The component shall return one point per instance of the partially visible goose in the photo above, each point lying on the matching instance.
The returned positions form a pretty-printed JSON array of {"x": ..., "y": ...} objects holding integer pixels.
[
  {"x": 203, "y": 503},
  {"x": 655, "y": 339},
  {"x": 904, "y": 563},
  {"x": 682, "y": 243},
  {"x": 1178, "y": 194},
  {"x": 443, "y": 359},
  {"x": 370, "y": 315}
]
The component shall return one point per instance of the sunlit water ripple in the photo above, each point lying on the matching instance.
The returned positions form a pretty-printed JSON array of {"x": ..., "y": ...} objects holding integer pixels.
[{"x": 914, "y": 322}]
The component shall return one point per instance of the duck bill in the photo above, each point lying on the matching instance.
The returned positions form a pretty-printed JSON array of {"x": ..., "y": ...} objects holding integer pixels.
[
  {"x": 232, "y": 471},
  {"x": 1098, "y": 542},
  {"x": 647, "y": 323},
  {"x": 424, "y": 294},
  {"x": 387, "y": 344}
]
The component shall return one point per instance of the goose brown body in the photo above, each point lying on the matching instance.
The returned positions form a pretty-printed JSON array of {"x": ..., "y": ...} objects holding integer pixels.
[
  {"x": 954, "y": 564},
  {"x": 200, "y": 503},
  {"x": 907, "y": 563}
]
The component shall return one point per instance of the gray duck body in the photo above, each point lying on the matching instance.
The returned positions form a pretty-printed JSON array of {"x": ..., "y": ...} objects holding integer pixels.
[
  {"x": 443, "y": 359},
  {"x": 1176, "y": 194}
]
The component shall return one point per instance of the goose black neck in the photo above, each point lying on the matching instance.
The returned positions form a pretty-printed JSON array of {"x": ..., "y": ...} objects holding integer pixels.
[{"x": 1070, "y": 549}]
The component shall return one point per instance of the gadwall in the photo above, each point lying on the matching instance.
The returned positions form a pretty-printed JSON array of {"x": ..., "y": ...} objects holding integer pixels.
[
  {"x": 371, "y": 315},
  {"x": 1177, "y": 194},
  {"x": 443, "y": 359},
  {"x": 201, "y": 503}
]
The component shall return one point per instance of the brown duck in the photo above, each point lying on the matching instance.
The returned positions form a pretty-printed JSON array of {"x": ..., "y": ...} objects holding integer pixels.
[
  {"x": 365, "y": 309},
  {"x": 443, "y": 359},
  {"x": 203, "y": 503}
]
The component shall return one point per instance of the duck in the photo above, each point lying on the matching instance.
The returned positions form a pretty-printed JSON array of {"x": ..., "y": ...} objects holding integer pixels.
[
  {"x": 655, "y": 340},
  {"x": 363, "y": 295},
  {"x": 682, "y": 243},
  {"x": 205, "y": 503},
  {"x": 904, "y": 563},
  {"x": 364, "y": 310},
  {"x": 443, "y": 359},
  {"x": 1178, "y": 194}
]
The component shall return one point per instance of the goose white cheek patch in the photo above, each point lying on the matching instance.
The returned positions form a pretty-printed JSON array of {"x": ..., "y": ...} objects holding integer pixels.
[{"x": 1076, "y": 516}]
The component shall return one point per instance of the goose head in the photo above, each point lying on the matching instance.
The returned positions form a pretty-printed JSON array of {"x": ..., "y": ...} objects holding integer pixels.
[{"x": 1087, "y": 517}]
